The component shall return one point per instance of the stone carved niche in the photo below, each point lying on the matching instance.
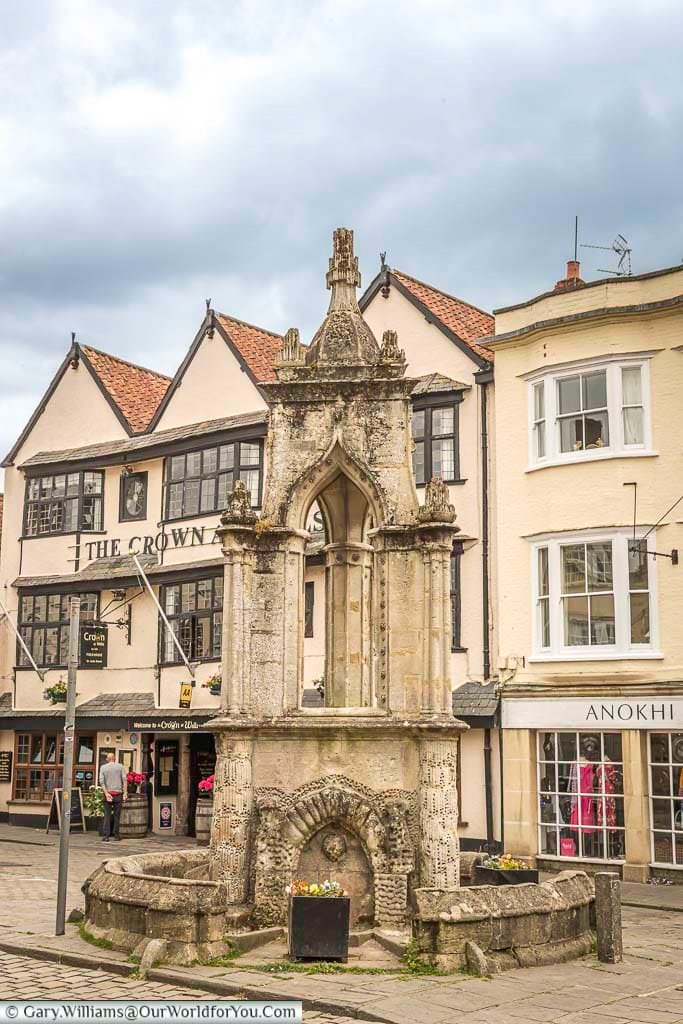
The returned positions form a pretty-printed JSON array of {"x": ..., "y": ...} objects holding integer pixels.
[{"x": 335, "y": 829}]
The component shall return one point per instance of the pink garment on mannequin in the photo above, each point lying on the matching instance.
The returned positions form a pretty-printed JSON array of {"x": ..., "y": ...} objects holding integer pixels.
[{"x": 585, "y": 801}]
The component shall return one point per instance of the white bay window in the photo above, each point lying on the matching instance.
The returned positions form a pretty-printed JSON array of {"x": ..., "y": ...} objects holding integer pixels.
[
  {"x": 589, "y": 412},
  {"x": 594, "y": 597}
]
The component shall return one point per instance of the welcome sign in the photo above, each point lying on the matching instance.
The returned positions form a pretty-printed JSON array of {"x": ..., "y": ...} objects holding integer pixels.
[{"x": 592, "y": 713}]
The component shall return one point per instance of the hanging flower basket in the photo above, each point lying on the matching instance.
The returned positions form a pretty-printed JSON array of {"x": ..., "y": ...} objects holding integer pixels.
[
  {"x": 56, "y": 693},
  {"x": 318, "y": 921},
  {"x": 213, "y": 684}
]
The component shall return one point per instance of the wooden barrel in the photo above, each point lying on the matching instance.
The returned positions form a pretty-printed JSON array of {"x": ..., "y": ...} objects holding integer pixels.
[
  {"x": 134, "y": 817},
  {"x": 202, "y": 821}
]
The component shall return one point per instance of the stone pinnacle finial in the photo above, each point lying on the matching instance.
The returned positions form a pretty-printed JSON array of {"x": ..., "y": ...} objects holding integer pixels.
[
  {"x": 343, "y": 265},
  {"x": 239, "y": 510},
  {"x": 292, "y": 349},
  {"x": 390, "y": 352},
  {"x": 437, "y": 507}
]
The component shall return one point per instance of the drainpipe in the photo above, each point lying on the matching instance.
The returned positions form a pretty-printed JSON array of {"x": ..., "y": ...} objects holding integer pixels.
[
  {"x": 488, "y": 788},
  {"x": 484, "y": 377},
  {"x": 502, "y": 791}
]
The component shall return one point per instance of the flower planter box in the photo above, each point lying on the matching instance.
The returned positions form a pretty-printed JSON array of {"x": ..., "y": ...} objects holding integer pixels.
[
  {"x": 319, "y": 927},
  {"x": 215, "y": 691},
  {"x": 497, "y": 876}
]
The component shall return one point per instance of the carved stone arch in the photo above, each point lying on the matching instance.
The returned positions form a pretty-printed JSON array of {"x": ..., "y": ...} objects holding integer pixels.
[
  {"x": 336, "y": 461},
  {"x": 349, "y": 810}
]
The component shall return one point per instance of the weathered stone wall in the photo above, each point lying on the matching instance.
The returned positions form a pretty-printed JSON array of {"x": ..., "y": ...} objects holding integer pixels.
[{"x": 501, "y": 927}]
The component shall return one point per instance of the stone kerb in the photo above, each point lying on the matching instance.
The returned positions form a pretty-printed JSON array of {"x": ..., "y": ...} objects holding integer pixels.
[
  {"x": 132, "y": 900},
  {"x": 506, "y": 926}
]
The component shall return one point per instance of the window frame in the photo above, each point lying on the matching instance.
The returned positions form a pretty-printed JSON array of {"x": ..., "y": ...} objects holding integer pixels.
[
  {"x": 43, "y": 625},
  {"x": 209, "y": 614},
  {"x": 623, "y": 649},
  {"x": 581, "y": 830},
  {"x": 455, "y": 597},
  {"x": 235, "y": 470},
  {"x": 616, "y": 447},
  {"x": 428, "y": 405},
  {"x": 79, "y": 497},
  {"x": 58, "y": 767},
  {"x": 673, "y": 799}
]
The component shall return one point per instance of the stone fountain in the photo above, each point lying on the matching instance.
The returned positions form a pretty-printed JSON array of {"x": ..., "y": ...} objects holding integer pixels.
[{"x": 362, "y": 789}]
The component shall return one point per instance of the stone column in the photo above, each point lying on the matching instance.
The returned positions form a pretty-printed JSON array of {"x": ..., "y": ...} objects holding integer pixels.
[
  {"x": 348, "y": 635},
  {"x": 438, "y": 797},
  {"x": 233, "y": 808},
  {"x": 237, "y": 601},
  {"x": 437, "y": 686}
]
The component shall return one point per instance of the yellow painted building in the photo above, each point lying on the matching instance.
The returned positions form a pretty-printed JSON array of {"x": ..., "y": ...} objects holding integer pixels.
[{"x": 589, "y": 480}]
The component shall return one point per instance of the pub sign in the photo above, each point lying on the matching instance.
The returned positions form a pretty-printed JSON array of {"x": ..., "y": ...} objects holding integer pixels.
[
  {"x": 93, "y": 645},
  {"x": 6, "y": 765}
]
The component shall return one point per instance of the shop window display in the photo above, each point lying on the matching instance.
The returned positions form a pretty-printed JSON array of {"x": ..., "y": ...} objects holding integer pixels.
[
  {"x": 581, "y": 802},
  {"x": 666, "y": 796}
]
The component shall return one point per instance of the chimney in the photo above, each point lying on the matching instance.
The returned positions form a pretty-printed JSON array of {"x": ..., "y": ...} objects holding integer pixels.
[{"x": 572, "y": 280}]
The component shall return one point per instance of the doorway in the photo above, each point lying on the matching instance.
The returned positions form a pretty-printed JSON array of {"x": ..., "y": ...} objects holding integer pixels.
[{"x": 202, "y": 764}]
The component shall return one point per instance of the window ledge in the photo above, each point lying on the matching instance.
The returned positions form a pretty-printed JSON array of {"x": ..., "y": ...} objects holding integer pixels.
[
  {"x": 620, "y": 656},
  {"x": 593, "y": 456},
  {"x": 449, "y": 483},
  {"x": 458, "y": 650},
  {"x": 582, "y": 860}
]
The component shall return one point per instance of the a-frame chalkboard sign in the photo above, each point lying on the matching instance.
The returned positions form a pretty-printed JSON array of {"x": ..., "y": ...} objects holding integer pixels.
[{"x": 77, "y": 816}]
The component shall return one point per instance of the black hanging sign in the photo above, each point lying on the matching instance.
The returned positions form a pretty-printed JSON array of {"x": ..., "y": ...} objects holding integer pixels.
[
  {"x": 77, "y": 815},
  {"x": 6, "y": 765},
  {"x": 93, "y": 645}
]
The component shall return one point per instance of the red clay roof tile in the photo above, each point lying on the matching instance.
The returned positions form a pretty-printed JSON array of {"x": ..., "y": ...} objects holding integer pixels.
[
  {"x": 135, "y": 390},
  {"x": 259, "y": 348},
  {"x": 468, "y": 322}
]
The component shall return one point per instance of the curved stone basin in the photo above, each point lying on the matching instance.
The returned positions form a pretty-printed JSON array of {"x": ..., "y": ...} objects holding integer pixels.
[
  {"x": 493, "y": 928},
  {"x": 132, "y": 900}
]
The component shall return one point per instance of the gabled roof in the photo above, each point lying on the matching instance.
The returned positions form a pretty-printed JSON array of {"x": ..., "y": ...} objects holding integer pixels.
[
  {"x": 460, "y": 321},
  {"x": 436, "y": 384},
  {"x": 254, "y": 348},
  {"x": 135, "y": 390},
  {"x": 132, "y": 392}
]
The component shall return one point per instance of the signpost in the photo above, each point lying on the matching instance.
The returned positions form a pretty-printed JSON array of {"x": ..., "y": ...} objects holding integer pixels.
[
  {"x": 69, "y": 731},
  {"x": 93, "y": 645}
]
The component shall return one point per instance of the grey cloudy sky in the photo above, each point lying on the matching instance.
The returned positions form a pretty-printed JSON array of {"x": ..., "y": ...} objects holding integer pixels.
[{"x": 153, "y": 154}]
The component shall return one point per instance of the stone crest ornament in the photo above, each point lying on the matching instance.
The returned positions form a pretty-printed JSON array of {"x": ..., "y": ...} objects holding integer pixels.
[
  {"x": 334, "y": 847},
  {"x": 437, "y": 507},
  {"x": 239, "y": 508}
]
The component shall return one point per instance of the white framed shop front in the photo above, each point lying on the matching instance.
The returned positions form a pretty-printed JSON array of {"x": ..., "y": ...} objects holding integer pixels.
[{"x": 608, "y": 774}]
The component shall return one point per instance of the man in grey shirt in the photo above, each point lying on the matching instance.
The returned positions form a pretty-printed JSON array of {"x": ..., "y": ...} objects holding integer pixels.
[{"x": 113, "y": 782}]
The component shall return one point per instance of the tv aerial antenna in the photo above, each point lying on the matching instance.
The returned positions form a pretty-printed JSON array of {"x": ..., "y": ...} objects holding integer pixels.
[{"x": 622, "y": 249}]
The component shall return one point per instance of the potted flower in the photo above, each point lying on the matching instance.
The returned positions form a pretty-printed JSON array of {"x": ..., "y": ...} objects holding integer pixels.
[
  {"x": 213, "y": 684},
  {"x": 56, "y": 693},
  {"x": 134, "y": 781},
  {"x": 504, "y": 870},
  {"x": 318, "y": 921},
  {"x": 204, "y": 811},
  {"x": 94, "y": 808}
]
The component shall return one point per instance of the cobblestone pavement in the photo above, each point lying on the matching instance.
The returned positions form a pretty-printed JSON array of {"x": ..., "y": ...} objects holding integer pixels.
[
  {"x": 23, "y": 978},
  {"x": 647, "y": 988}
]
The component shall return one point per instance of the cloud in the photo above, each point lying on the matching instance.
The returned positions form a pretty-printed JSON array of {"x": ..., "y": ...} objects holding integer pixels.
[{"x": 154, "y": 154}]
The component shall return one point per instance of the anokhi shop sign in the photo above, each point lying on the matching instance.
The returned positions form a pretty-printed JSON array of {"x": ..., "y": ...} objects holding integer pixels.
[{"x": 592, "y": 713}]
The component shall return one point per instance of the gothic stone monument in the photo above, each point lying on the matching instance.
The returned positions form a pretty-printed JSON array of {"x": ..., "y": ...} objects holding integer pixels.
[{"x": 363, "y": 789}]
